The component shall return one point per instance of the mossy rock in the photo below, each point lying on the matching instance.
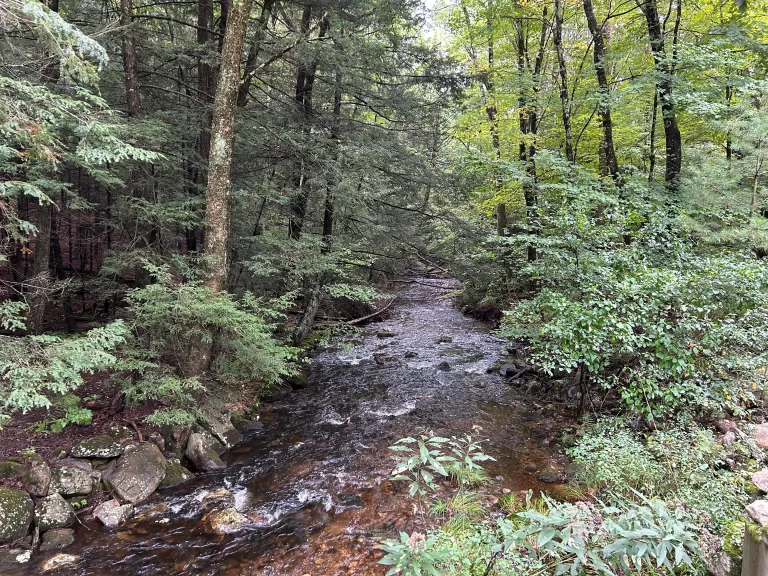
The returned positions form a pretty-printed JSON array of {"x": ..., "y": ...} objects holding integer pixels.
[
  {"x": 444, "y": 340},
  {"x": 385, "y": 334},
  {"x": 11, "y": 469},
  {"x": 108, "y": 445},
  {"x": 16, "y": 511},
  {"x": 175, "y": 474}
]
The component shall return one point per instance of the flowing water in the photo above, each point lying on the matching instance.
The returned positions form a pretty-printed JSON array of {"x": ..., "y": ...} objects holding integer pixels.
[{"x": 314, "y": 479}]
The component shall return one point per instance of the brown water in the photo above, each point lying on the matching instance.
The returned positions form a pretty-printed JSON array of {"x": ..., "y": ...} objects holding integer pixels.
[{"x": 314, "y": 480}]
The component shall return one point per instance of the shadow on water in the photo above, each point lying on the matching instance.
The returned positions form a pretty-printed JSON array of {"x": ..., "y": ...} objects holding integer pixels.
[{"x": 314, "y": 481}]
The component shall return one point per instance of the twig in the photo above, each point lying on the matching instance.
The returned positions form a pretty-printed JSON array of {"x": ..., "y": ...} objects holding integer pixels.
[
  {"x": 138, "y": 432},
  {"x": 364, "y": 318}
]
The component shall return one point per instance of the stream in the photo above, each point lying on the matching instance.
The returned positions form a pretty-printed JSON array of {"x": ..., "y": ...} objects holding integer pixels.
[{"x": 314, "y": 479}]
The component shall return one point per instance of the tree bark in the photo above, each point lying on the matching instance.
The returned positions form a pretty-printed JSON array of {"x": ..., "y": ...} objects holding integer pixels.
[
  {"x": 665, "y": 71},
  {"x": 253, "y": 52},
  {"x": 608, "y": 151},
  {"x": 217, "y": 193},
  {"x": 40, "y": 282},
  {"x": 557, "y": 37},
  {"x": 130, "y": 67}
]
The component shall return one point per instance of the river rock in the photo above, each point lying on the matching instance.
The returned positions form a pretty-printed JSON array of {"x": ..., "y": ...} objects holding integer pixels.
[
  {"x": 222, "y": 498},
  {"x": 57, "y": 539},
  {"x": 224, "y": 521},
  {"x": 11, "y": 469},
  {"x": 108, "y": 445},
  {"x": 175, "y": 474},
  {"x": 157, "y": 439},
  {"x": 59, "y": 561},
  {"x": 444, "y": 340},
  {"x": 54, "y": 512},
  {"x": 37, "y": 480},
  {"x": 15, "y": 514},
  {"x": 385, "y": 334},
  {"x": 112, "y": 514},
  {"x": 13, "y": 557},
  {"x": 202, "y": 453},
  {"x": 550, "y": 476},
  {"x": 444, "y": 366},
  {"x": 70, "y": 481},
  {"x": 220, "y": 427},
  {"x": 508, "y": 370},
  {"x": 138, "y": 472},
  {"x": 760, "y": 434}
]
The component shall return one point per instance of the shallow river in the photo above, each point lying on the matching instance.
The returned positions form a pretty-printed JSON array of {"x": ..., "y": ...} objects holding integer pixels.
[{"x": 314, "y": 480}]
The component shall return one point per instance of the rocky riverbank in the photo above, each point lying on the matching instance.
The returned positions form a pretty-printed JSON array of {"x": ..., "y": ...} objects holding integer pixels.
[{"x": 102, "y": 478}]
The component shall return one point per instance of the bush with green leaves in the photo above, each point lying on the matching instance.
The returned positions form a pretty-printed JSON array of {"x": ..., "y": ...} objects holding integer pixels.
[
  {"x": 669, "y": 332},
  {"x": 684, "y": 463}
]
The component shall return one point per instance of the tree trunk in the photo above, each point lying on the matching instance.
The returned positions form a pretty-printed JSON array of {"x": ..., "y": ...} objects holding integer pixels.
[
  {"x": 557, "y": 37},
  {"x": 217, "y": 192},
  {"x": 40, "y": 282},
  {"x": 130, "y": 67},
  {"x": 607, "y": 149},
  {"x": 665, "y": 70},
  {"x": 253, "y": 52}
]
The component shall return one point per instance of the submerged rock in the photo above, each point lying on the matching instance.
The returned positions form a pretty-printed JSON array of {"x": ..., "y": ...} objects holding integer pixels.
[
  {"x": 138, "y": 472},
  {"x": 202, "y": 453},
  {"x": 108, "y": 445},
  {"x": 444, "y": 366},
  {"x": 70, "y": 481},
  {"x": 59, "y": 561},
  {"x": 385, "y": 334},
  {"x": 54, "y": 512},
  {"x": 37, "y": 480},
  {"x": 57, "y": 539},
  {"x": 15, "y": 514},
  {"x": 112, "y": 514},
  {"x": 13, "y": 557},
  {"x": 224, "y": 521},
  {"x": 550, "y": 476},
  {"x": 444, "y": 340},
  {"x": 175, "y": 474},
  {"x": 222, "y": 498}
]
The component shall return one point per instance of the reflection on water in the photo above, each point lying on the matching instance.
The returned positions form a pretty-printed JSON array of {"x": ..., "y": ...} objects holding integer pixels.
[{"x": 314, "y": 481}]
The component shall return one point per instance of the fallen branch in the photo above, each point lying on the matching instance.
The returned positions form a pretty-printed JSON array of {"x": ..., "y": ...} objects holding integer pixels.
[{"x": 364, "y": 318}]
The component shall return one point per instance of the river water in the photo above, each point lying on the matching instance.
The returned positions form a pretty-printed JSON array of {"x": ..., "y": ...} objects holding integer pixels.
[{"x": 314, "y": 479}]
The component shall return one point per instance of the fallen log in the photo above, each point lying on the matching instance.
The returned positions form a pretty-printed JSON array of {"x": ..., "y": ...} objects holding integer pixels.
[{"x": 369, "y": 316}]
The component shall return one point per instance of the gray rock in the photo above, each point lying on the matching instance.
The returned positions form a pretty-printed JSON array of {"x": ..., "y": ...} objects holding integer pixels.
[
  {"x": 138, "y": 472},
  {"x": 760, "y": 479},
  {"x": 59, "y": 561},
  {"x": 70, "y": 481},
  {"x": 758, "y": 511},
  {"x": 716, "y": 560},
  {"x": 57, "y": 539},
  {"x": 13, "y": 557},
  {"x": 175, "y": 474},
  {"x": 108, "y": 445},
  {"x": 54, "y": 512},
  {"x": 158, "y": 440},
  {"x": 15, "y": 514},
  {"x": 444, "y": 366},
  {"x": 37, "y": 480},
  {"x": 112, "y": 514},
  {"x": 728, "y": 438},
  {"x": 202, "y": 453},
  {"x": 550, "y": 475},
  {"x": 220, "y": 427},
  {"x": 224, "y": 521},
  {"x": 444, "y": 340},
  {"x": 385, "y": 334}
]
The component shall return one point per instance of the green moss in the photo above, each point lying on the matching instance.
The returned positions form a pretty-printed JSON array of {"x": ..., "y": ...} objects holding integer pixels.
[{"x": 11, "y": 469}]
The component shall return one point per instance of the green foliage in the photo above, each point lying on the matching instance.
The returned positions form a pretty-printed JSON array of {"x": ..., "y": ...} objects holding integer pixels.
[
  {"x": 70, "y": 412},
  {"x": 684, "y": 463},
  {"x": 36, "y": 369}
]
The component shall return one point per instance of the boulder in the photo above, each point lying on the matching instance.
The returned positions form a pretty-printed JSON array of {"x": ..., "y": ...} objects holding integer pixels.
[
  {"x": 108, "y": 445},
  {"x": 760, "y": 434},
  {"x": 175, "y": 438},
  {"x": 157, "y": 439},
  {"x": 175, "y": 474},
  {"x": 508, "y": 370},
  {"x": 138, "y": 472},
  {"x": 57, "y": 539},
  {"x": 728, "y": 438},
  {"x": 37, "y": 480},
  {"x": 444, "y": 340},
  {"x": 760, "y": 479},
  {"x": 112, "y": 514},
  {"x": 11, "y": 558},
  {"x": 59, "y": 561},
  {"x": 15, "y": 514},
  {"x": 70, "y": 481},
  {"x": 224, "y": 521},
  {"x": 220, "y": 427},
  {"x": 444, "y": 366},
  {"x": 11, "y": 469},
  {"x": 201, "y": 451},
  {"x": 54, "y": 512}
]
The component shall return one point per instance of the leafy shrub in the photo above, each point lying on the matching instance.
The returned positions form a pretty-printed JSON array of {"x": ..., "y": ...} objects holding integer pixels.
[
  {"x": 35, "y": 370},
  {"x": 683, "y": 464}
]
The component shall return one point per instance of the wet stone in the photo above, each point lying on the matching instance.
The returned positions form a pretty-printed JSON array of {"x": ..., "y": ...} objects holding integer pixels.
[
  {"x": 175, "y": 474},
  {"x": 224, "y": 521},
  {"x": 108, "y": 445},
  {"x": 444, "y": 366},
  {"x": 202, "y": 453},
  {"x": 138, "y": 472},
  {"x": 112, "y": 514},
  {"x": 57, "y": 539},
  {"x": 59, "y": 561},
  {"x": 70, "y": 481},
  {"x": 385, "y": 334},
  {"x": 37, "y": 480},
  {"x": 550, "y": 476},
  {"x": 222, "y": 498}
]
